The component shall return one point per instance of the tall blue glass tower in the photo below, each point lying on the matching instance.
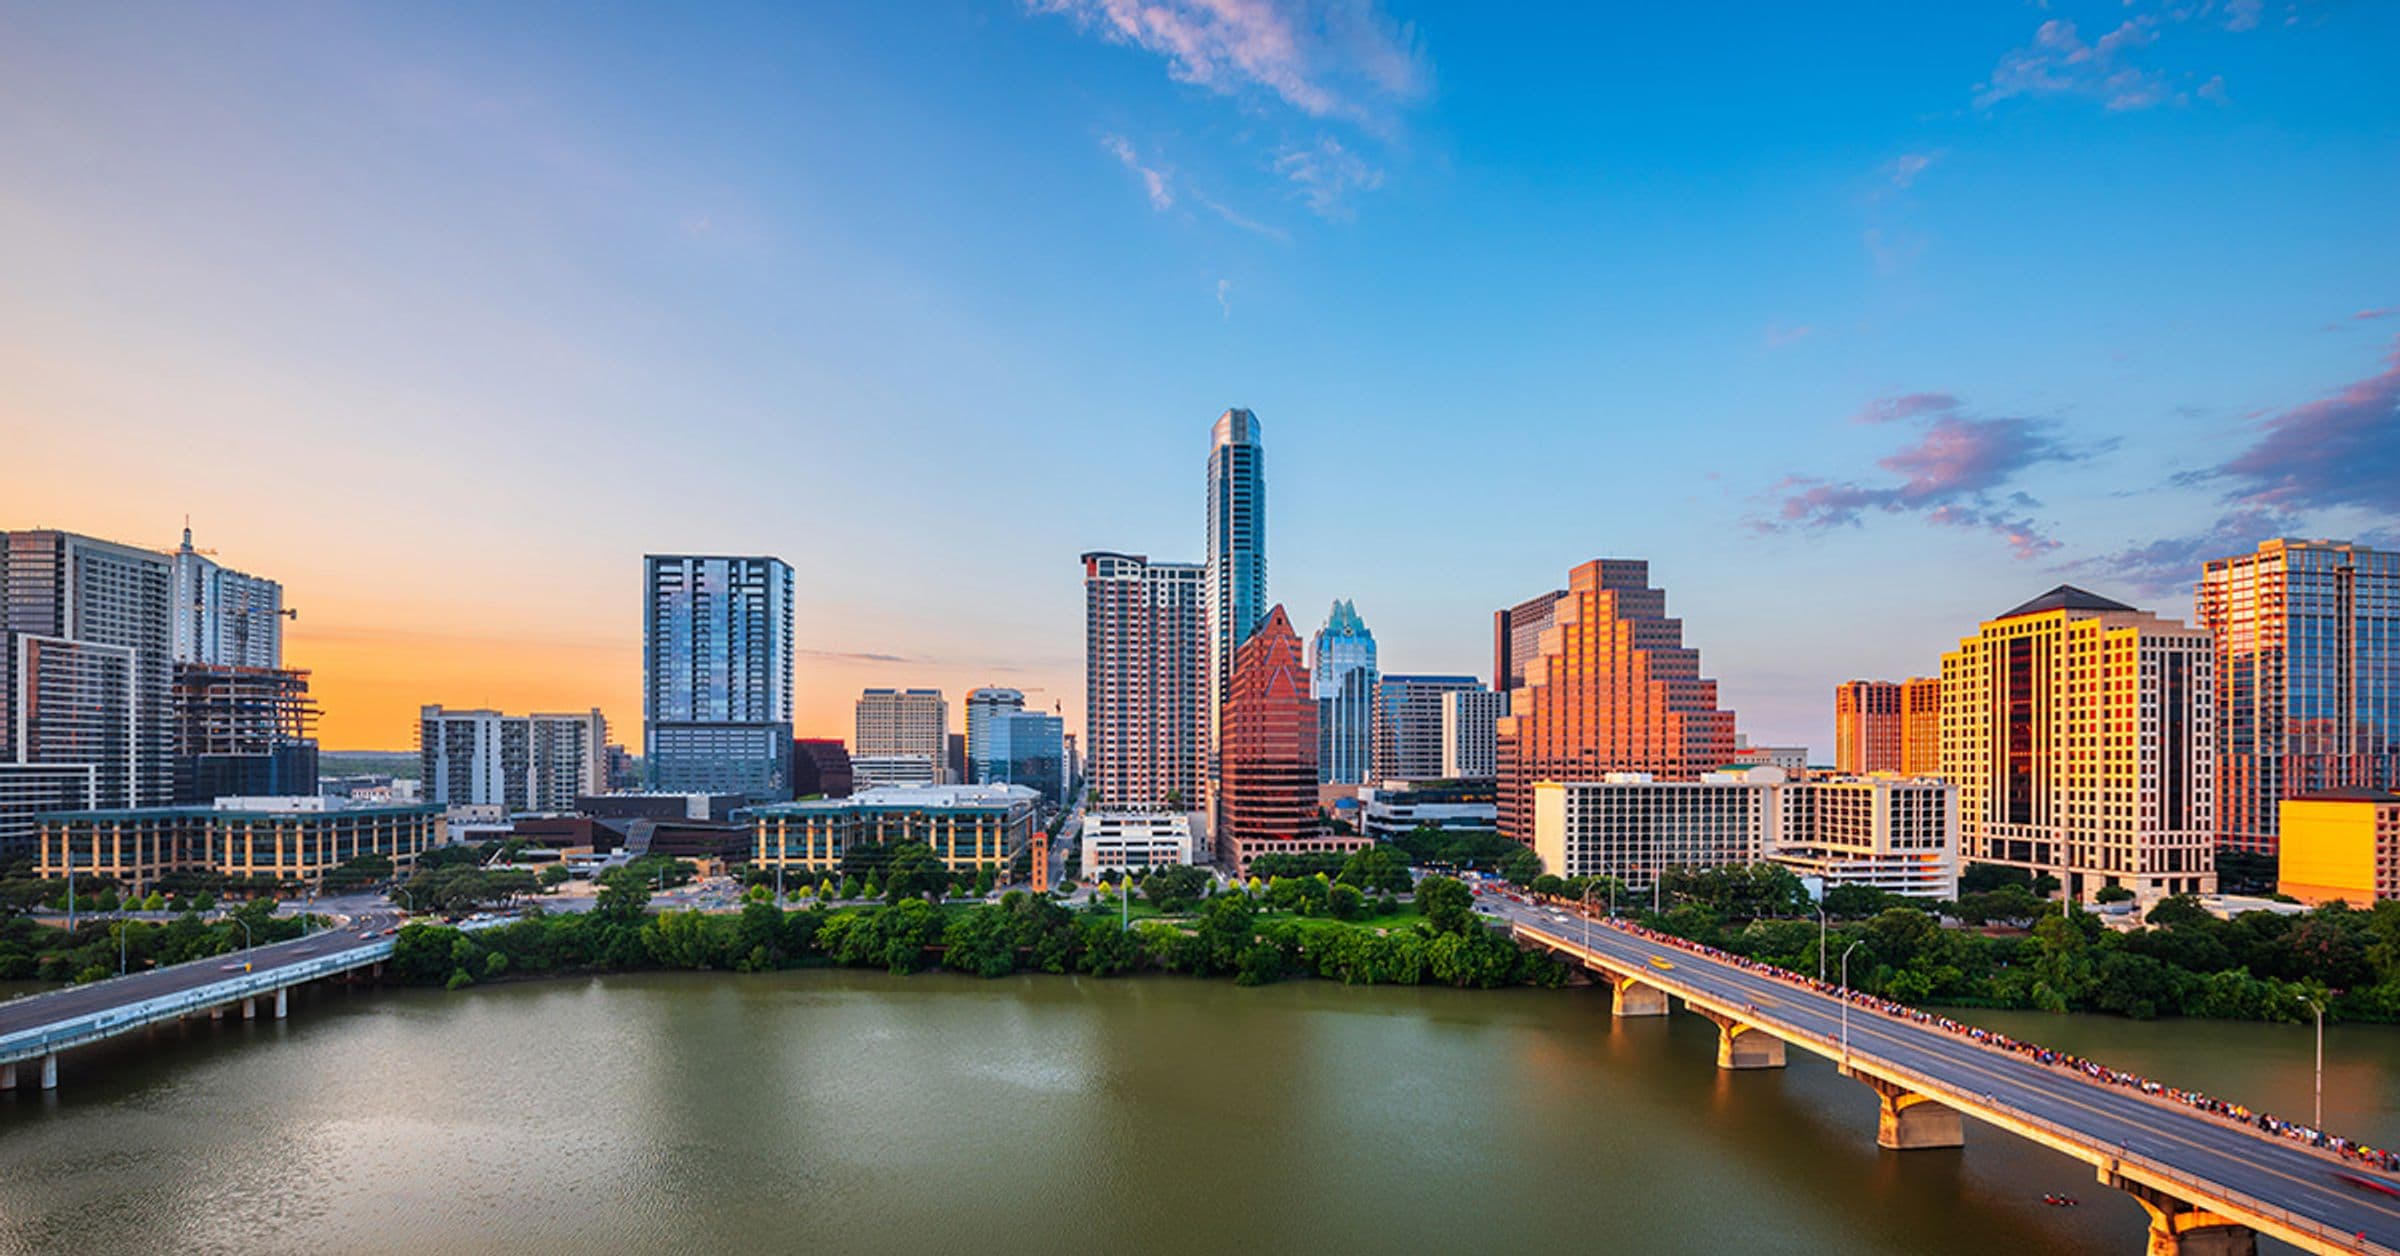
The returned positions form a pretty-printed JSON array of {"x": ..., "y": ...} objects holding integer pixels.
[
  {"x": 717, "y": 675},
  {"x": 1341, "y": 672},
  {"x": 1237, "y": 552}
]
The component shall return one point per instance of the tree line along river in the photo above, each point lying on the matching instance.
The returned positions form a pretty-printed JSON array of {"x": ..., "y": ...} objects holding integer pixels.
[{"x": 853, "y": 1111}]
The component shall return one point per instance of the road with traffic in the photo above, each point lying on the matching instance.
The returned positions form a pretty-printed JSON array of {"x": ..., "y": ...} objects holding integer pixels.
[{"x": 2297, "y": 1179}]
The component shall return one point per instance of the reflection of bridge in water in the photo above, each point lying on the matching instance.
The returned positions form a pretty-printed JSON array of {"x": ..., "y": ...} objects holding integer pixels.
[{"x": 2209, "y": 1184}]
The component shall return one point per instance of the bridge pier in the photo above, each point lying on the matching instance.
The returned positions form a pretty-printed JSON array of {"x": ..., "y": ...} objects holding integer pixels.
[
  {"x": 2182, "y": 1229},
  {"x": 250, "y": 1008},
  {"x": 1741, "y": 1046},
  {"x": 1908, "y": 1121},
  {"x": 1629, "y": 997},
  {"x": 280, "y": 992},
  {"x": 50, "y": 1071}
]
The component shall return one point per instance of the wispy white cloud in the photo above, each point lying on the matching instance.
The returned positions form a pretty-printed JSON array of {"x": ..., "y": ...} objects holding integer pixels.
[
  {"x": 2058, "y": 61},
  {"x": 1780, "y": 335},
  {"x": 1224, "y": 289},
  {"x": 1326, "y": 58},
  {"x": 1156, "y": 180},
  {"x": 1902, "y": 171},
  {"x": 1327, "y": 175}
]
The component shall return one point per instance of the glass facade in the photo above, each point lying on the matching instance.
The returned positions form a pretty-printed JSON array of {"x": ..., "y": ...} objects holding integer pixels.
[
  {"x": 717, "y": 674},
  {"x": 1342, "y": 668},
  {"x": 1237, "y": 547},
  {"x": 2308, "y": 678}
]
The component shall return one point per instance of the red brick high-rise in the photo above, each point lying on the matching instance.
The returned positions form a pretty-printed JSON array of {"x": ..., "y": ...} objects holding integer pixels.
[
  {"x": 1268, "y": 759},
  {"x": 1613, "y": 688}
]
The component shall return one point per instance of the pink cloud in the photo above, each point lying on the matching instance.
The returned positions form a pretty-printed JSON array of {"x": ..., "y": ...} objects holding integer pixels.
[{"x": 1326, "y": 58}]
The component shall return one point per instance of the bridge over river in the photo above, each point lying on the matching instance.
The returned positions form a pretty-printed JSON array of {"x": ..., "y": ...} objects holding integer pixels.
[
  {"x": 34, "y": 1030},
  {"x": 2210, "y": 1184}
]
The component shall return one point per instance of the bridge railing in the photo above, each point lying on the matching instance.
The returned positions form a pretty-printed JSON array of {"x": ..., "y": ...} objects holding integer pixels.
[
  {"x": 2199, "y": 1190},
  {"x": 92, "y": 1026},
  {"x": 2203, "y": 1191}
]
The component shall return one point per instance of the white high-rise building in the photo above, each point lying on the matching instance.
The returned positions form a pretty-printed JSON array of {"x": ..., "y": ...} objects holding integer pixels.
[
  {"x": 512, "y": 762},
  {"x": 912, "y": 722},
  {"x": 2081, "y": 735},
  {"x": 1146, "y": 708},
  {"x": 1469, "y": 717},
  {"x": 222, "y": 617},
  {"x": 87, "y": 662},
  {"x": 1408, "y": 725}
]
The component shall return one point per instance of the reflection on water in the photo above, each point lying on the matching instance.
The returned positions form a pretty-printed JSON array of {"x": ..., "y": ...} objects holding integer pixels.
[{"x": 855, "y": 1112}]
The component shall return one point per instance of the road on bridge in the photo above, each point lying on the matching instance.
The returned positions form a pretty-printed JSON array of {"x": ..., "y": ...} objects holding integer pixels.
[
  {"x": 2212, "y": 1149},
  {"x": 37, "y": 1011}
]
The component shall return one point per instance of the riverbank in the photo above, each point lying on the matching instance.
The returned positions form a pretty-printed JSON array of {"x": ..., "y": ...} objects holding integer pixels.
[{"x": 1227, "y": 936}]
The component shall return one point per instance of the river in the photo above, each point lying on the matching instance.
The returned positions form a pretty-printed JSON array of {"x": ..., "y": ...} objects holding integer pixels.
[{"x": 857, "y": 1112}]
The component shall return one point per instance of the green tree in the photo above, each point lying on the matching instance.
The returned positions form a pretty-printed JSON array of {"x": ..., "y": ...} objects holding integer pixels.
[
  {"x": 1446, "y": 903},
  {"x": 914, "y": 871}
]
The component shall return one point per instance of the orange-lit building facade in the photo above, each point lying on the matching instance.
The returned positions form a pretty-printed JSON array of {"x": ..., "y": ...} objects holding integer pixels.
[
  {"x": 1888, "y": 726},
  {"x": 1610, "y": 688},
  {"x": 1268, "y": 761},
  {"x": 1866, "y": 726},
  {"x": 1921, "y": 726}
]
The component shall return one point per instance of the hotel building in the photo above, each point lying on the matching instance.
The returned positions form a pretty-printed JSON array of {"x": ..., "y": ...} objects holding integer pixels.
[
  {"x": 2081, "y": 735},
  {"x": 1891, "y": 833}
]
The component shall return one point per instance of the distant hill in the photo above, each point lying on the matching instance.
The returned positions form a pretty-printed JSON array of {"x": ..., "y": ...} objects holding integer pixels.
[{"x": 398, "y": 763}]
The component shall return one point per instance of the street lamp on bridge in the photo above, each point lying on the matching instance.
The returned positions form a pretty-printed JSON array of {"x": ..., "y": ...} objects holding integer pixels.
[
  {"x": 2318, "y": 1122},
  {"x": 1846, "y": 1005}
]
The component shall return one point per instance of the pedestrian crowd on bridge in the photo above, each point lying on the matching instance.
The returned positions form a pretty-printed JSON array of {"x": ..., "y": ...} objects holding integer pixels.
[{"x": 2350, "y": 1149}]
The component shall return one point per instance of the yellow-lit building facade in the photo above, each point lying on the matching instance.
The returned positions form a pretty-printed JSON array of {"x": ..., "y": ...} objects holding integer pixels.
[
  {"x": 138, "y": 847},
  {"x": 965, "y": 825},
  {"x": 2080, "y": 733},
  {"x": 2340, "y": 846}
]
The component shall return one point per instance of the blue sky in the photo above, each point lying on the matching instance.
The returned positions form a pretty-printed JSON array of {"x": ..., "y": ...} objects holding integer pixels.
[{"x": 1860, "y": 322}]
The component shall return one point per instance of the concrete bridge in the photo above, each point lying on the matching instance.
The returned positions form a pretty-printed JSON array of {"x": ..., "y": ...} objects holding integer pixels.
[
  {"x": 2209, "y": 1184},
  {"x": 34, "y": 1031}
]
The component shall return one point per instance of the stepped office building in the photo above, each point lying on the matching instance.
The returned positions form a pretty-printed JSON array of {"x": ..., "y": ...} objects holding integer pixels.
[
  {"x": 2307, "y": 678},
  {"x": 717, "y": 674},
  {"x": 1611, "y": 688},
  {"x": 2081, "y": 735}
]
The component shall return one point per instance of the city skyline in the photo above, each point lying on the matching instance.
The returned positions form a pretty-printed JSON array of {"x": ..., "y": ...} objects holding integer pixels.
[{"x": 1994, "y": 326}]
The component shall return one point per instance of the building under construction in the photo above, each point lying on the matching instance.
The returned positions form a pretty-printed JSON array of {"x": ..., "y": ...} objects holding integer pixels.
[{"x": 243, "y": 732}]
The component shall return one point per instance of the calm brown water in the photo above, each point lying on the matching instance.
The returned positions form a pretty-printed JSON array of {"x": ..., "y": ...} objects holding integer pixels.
[{"x": 855, "y": 1112}]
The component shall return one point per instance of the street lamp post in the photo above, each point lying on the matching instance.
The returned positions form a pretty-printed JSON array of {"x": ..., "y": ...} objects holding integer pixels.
[
  {"x": 1821, "y": 941},
  {"x": 1587, "y": 919},
  {"x": 1846, "y": 1006},
  {"x": 2319, "y": 1120}
]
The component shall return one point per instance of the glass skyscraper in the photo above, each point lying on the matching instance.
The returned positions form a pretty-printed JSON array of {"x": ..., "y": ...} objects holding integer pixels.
[
  {"x": 2308, "y": 678},
  {"x": 717, "y": 675},
  {"x": 1342, "y": 676},
  {"x": 1237, "y": 551}
]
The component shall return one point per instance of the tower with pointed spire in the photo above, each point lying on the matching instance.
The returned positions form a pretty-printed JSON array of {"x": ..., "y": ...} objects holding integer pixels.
[{"x": 1342, "y": 678}]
